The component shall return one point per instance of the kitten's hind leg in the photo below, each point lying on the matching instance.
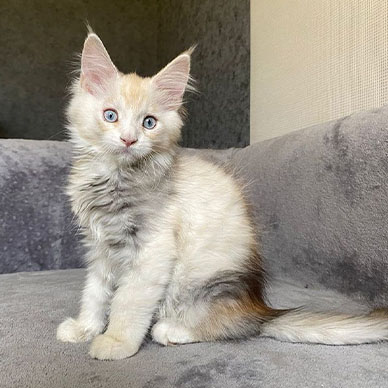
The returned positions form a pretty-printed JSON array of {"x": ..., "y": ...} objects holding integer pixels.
[
  {"x": 170, "y": 332},
  {"x": 225, "y": 319},
  {"x": 229, "y": 305}
]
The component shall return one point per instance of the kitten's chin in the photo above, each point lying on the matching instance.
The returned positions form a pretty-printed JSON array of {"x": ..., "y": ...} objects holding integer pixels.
[{"x": 126, "y": 155}]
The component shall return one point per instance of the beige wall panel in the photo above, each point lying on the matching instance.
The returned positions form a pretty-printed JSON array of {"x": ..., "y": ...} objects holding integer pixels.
[{"x": 315, "y": 60}]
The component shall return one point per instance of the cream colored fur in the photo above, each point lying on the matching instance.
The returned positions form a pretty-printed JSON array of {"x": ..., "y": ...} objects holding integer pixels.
[
  {"x": 328, "y": 328},
  {"x": 169, "y": 237}
]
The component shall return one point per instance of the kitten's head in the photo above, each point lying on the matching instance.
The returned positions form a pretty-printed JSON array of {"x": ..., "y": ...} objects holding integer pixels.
[{"x": 126, "y": 115}]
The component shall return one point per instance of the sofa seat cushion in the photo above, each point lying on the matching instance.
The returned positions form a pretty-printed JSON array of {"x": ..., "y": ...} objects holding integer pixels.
[{"x": 33, "y": 304}]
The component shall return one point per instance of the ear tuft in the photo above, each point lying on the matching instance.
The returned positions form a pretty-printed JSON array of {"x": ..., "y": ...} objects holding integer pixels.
[
  {"x": 172, "y": 81},
  {"x": 97, "y": 69}
]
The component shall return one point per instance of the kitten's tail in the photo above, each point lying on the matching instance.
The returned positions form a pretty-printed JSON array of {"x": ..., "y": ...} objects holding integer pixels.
[{"x": 328, "y": 328}]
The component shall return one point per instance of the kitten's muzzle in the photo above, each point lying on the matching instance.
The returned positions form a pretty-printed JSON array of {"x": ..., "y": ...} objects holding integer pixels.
[{"x": 128, "y": 142}]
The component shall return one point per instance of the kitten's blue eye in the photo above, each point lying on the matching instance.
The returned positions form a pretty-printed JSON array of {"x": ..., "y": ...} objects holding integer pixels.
[
  {"x": 110, "y": 115},
  {"x": 149, "y": 122}
]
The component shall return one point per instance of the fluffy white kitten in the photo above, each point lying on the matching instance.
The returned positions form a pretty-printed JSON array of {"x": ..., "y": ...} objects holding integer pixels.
[{"x": 169, "y": 237}]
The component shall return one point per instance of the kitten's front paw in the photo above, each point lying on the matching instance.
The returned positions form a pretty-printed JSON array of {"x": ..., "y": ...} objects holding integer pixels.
[
  {"x": 106, "y": 347},
  {"x": 71, "y": 330}
]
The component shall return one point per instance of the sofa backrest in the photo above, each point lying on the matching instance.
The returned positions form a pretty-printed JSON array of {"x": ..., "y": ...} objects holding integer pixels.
[{"x": 319, "y": 198}]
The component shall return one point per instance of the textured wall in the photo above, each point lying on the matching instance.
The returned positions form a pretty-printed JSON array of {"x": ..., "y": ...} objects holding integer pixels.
[
  {"x": 315, "y": 61},
  {"x": 219, "y": 115},
  {"x": 39, "y": 39}
]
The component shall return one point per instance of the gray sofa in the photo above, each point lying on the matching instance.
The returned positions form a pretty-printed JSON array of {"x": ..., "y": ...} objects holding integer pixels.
[{"x": 320, "y": 198}]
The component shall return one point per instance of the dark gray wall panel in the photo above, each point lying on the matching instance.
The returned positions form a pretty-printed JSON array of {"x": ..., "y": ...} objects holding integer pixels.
[
  {"x": 39, "y": 39},
  {"x": 219, "y": 115}
]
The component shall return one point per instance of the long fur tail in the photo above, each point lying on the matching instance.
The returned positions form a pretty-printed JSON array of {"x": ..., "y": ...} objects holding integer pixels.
[{"x": 328, "y": 328}]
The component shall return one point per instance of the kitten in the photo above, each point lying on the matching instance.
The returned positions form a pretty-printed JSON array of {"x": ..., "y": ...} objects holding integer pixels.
[{"x": 169, "y": 236}]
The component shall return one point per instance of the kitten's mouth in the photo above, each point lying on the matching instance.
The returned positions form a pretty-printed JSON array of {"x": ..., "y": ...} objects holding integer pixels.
[
  {"x": 120, "y": 151},
  {"x": 130, "y": 152},
  {"x": 127, "y": 153},
  {"x": 124, "y": 150}
]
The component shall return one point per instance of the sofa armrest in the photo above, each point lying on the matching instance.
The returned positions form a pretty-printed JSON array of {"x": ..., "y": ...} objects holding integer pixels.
[{"x": 36, "y": 229}]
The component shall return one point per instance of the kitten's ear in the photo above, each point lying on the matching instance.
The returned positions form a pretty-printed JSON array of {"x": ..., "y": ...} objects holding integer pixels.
[
  {"x": 97, "y": 69},
  {"x": 172, "y": 81}
]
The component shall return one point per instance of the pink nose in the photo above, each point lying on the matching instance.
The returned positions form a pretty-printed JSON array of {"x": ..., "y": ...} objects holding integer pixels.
[{"x": 128, "y": 142}]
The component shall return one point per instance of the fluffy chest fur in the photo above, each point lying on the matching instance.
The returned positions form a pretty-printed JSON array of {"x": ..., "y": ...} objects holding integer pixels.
[{"x": 117, "y": 205}]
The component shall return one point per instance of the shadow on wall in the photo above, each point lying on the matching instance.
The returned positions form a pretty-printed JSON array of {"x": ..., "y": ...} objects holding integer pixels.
[
  {"x": 2, "y": 132},
  {"x": 39, "y": 41}
]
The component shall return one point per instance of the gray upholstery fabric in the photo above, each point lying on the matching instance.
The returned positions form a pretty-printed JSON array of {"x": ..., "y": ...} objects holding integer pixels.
[
  {"x": 36, "y": 231},
  {"x": 320, "y": 197},
  {"x": 33, "y": 304}
]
